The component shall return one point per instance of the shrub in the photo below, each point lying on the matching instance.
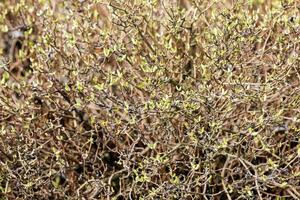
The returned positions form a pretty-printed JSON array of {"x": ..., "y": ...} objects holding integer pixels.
[{"x": 149, "y": 99}]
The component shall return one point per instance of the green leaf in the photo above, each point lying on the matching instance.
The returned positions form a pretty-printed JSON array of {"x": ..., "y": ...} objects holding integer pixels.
[
  {"x": 106, "y": 52},
  {"x": 56, "y": 182},
  {"x": 79, "y": 86},
  {"x": 5, "y": 77},
  {"x": 99, "y": 86},
  {"x": 67, "y": 88}
]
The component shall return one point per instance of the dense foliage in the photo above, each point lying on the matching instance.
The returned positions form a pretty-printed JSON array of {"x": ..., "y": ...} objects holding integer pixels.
[{"x": 149, "y": 99}]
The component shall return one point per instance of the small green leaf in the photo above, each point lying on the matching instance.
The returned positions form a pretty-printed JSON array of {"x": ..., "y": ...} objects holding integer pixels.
[
  {"x": 106, "y": 52},
  {"x": 79, "y": 86},
  {"x": 67, "y": 88},
  {"x": 57, "y": 181},
  {"x": 5, "y": 77},
  {"x": 99, "y": 86}
]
